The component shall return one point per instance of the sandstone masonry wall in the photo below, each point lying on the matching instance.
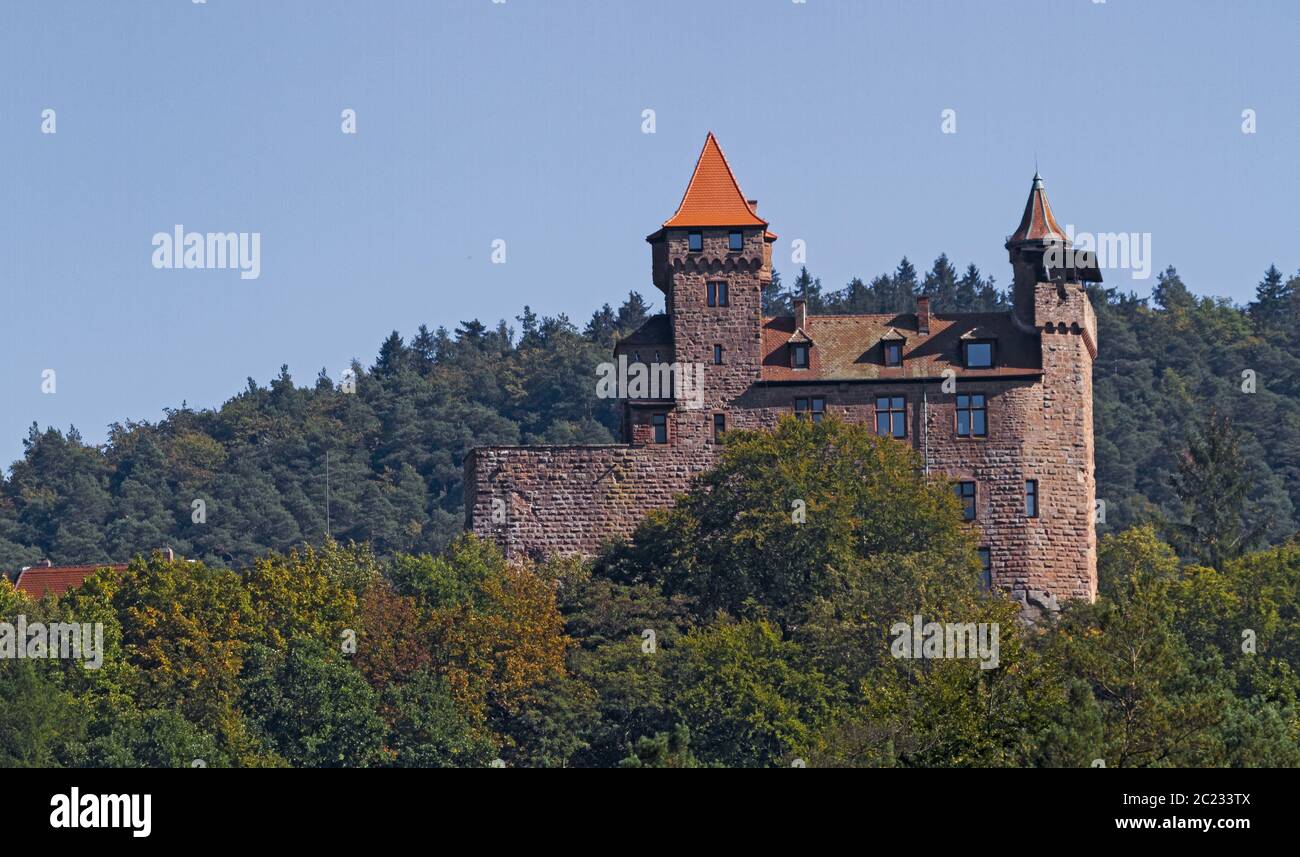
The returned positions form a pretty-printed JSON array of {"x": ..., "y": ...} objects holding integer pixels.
[{"x": 568, "y": 500}]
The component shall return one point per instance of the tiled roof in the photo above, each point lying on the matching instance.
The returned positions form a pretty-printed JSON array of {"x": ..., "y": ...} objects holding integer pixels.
[
  {"x": 39, "y": 580},
  {"x": 713, "y": 197},
  {"x": 848, "y": 347},
  {"x": 1038, "y": 223}
]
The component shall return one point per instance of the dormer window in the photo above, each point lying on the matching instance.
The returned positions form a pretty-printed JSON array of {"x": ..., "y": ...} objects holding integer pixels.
[
  {"x": 979, "y": 348},
  {"x": 736, "y": 242},
  {"x": 891, "y": 347},
  {"x": 799, "y": 355},
  {"x": 695, "y": 241},
  {"x": 978, "y": 354},
  {"x": 716, "y": 293}
]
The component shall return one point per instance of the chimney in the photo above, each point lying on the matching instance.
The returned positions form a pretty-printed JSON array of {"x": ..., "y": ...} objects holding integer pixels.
[
  {"x": 753, "y": 205},
  {"x": 170, "y": 554},
  {"x": 923, "y": 315},
  {"x": 800, "y": 313},
  {"x": 45, "y": 563}
]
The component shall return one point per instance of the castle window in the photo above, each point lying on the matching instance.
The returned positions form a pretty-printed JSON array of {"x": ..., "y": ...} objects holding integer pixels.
[
  {"x": 735, "y": 241},
  {"x": 965, "y": 492},
  {"x": 986, "y": 568},
  {"x": 978, "y": 355},
  {"x": 893, "y": 354},
  {"x": 719, "y": 426},
  {"x": 695, "y": 241},
  {"x": 717, "y": 293},
  {"x": 891, "y": 416},
  {"x": 799, "y": 356},
  {"x": 972, "y": 416},
  {"x": 1031, "y": 498},
  {"x": 810, "y": 409},
  {"x": 718, "y": 352},
  {"x": 660, "y": 423}
]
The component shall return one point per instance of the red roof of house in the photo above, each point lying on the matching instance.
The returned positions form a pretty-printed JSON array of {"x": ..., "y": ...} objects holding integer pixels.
[
  {"x": 713, "y": 197},
  {"x": 39, "y": 580},
  {"x": 1038, "y": 223},
  {"x": 848, "y": 347}
]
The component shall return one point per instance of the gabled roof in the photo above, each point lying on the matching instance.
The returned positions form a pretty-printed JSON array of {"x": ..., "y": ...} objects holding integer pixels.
[
  {"x": 981, "y": 332},
  {"x": 39, "y": 580},
  {"x": 657, "y": 330},
  {"x": 800, "y": 336},
  {"x": 849, "y": 347},
  {"x": 892, "y": 334},
  {"x": 1038, "y": 222},
  {"x": 713, "y": 197}
]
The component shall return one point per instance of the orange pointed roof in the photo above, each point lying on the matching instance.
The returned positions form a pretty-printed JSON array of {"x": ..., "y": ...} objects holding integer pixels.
[
  {"x": 713, "y": 198},
  {"x": 1038, "y": 223}
]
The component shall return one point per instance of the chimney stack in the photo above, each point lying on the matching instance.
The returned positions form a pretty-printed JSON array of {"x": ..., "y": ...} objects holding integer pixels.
[
  {"x": 753, "y": 205},
  {"x": 800, "y": 313},
  {"x": 170, "y": 554},
  {"x": 923, "y": 315}
]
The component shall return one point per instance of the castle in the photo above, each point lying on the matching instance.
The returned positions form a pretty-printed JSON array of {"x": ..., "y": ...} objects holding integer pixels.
[{"x": 999, "y": 403}]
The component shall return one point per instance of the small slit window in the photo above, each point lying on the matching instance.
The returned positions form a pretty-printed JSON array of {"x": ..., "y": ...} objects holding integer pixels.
[
  {"x": 718, "y": 354},
  {"x": 986, "y": 568},
  {"x": 719, "y": 426},
  {"x": 660, "y": 424},
  {"x": 965, "y": 492},
  {"x": 1031, "y": 498}
]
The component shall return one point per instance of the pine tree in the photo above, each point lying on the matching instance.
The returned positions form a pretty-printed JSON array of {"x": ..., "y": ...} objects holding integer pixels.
[
  {"x": 940, "y": 284},
  {"x": 603, "y": 327},
  {"x": 1213, "y": 485},
  {"x": 903, "y": 288},
  {"x": 633, "y": 313},
  {"x": 1273, "y": 299},
  {"x": 775, "y": 300}
]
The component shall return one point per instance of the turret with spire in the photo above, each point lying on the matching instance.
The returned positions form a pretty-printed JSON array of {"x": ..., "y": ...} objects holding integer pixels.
[
  {"x": 712, "y": 258},
  {"x": 1041, "y": 252}
]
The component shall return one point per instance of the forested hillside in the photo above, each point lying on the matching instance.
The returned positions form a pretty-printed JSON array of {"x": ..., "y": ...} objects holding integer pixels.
[
  {"x": 393, "y": 447},
  {"x": 727, "y": 632}
]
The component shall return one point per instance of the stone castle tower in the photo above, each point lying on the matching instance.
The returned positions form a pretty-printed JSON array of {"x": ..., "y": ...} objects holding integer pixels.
[{"x": 1000, "y": 403}]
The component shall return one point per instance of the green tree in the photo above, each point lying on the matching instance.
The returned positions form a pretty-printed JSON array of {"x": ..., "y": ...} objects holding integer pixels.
[{"x": 1213, "y": 485}]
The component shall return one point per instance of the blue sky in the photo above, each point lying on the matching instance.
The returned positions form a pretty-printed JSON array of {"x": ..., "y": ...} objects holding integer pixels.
[{"x": 522, "y": 121}]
